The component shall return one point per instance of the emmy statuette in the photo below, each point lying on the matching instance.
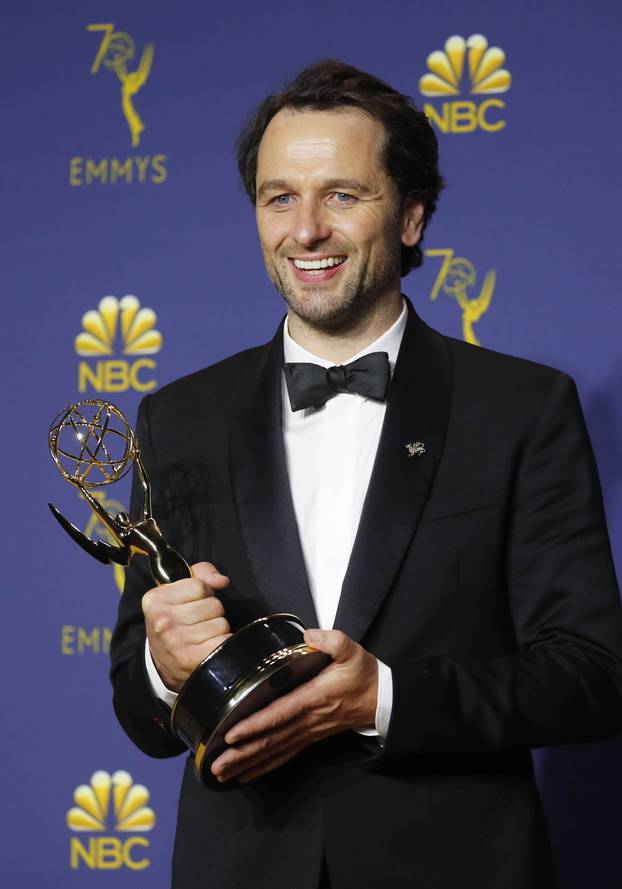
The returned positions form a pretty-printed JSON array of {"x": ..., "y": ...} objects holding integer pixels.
[{"x": 93, "y": 445}]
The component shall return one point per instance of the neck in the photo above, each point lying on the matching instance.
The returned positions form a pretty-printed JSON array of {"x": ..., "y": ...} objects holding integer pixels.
[{"x": 340, "y": 345}]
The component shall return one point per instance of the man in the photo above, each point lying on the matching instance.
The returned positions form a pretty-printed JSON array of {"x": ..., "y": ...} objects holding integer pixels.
[{"x": 447, "y": 523}]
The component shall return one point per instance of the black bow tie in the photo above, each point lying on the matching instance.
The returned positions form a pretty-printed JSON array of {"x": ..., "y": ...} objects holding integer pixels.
[{"x": 310, "y": 385}]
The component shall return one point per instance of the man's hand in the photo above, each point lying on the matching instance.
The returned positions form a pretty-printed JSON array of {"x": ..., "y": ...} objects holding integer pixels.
[
  {"x": 343, "y": 696},
  {"x": 185, "y": 622}
]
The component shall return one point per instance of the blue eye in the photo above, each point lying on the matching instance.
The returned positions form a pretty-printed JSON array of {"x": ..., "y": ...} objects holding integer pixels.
[
  {"x": 281, "y": 200},
  {"x": 343, "y": 198}
]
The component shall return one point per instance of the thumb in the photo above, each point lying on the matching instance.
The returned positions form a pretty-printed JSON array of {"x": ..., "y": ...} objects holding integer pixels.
[
  {"x": 332, "y": 642},
  {"x": 210, "y": 575}
]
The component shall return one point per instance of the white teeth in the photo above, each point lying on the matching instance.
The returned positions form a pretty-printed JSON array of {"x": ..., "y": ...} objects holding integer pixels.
[{"x": 319, "y": 263}]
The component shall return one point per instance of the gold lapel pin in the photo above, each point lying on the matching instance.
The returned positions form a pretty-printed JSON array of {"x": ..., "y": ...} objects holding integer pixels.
[{"x": 415, "y": 448}]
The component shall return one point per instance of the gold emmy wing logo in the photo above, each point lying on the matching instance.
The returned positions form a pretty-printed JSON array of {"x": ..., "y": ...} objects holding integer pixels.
[
  {"x": 117, "y": 55},
  {"x": 115, "y": 52},
  {"x": 483, "y": 64},
  {"x": 110, "y": 802},
  {"x": 456, "y": 277},
  {"x": 113, "y": 320}
]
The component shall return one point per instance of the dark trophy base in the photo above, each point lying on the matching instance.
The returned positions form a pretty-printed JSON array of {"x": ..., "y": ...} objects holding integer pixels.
[{"x": 259, "y": 663}]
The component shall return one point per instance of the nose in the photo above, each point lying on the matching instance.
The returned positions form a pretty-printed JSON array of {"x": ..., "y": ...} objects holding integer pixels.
[{"x": 310, "y": 223}]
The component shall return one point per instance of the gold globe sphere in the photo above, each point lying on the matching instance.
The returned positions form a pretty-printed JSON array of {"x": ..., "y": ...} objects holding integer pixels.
[{"x": 92, "y": 443}]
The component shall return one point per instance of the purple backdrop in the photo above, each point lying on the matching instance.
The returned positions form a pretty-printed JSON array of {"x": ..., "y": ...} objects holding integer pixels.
[{"x": 522, "y": 256}]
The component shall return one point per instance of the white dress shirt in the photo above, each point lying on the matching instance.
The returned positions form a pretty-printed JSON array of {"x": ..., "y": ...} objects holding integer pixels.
[{"x": 330, "y": 454}]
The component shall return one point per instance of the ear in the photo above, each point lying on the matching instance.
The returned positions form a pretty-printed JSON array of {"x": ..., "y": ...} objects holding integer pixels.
[{"x": 412, "y": 221}]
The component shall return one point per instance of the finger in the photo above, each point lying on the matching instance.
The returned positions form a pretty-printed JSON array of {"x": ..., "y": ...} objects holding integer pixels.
[
  {"x": 276, "y": 714},
  {"x": 199, "y": 611},
  {"x": 332, "y": 642},
  {"x": 237, "y": 761},
  {"x": 245, "y": 754},
  {"x": 210, "y": 575},
  {"x": 190, "y": 589},
  {"x": 197, "y": 634}
]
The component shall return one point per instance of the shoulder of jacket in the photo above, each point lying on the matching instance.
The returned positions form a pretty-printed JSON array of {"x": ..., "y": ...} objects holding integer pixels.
[
  {"x": 215, "y": 382},
  {"x": 499, "y": 368}
]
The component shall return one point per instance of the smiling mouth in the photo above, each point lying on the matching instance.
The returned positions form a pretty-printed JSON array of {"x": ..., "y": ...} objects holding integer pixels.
[
  {"x": 317, "y": 269},
  {"x": 316, "y": 264}
]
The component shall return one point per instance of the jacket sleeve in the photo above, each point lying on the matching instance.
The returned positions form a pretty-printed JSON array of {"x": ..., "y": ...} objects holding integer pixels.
[
  {"x": 142, "y": 715},
  {"x": 563, "y": 683}
]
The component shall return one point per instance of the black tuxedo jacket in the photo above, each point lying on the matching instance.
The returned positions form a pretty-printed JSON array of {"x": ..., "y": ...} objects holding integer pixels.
[{"x": 481, "y": 574}]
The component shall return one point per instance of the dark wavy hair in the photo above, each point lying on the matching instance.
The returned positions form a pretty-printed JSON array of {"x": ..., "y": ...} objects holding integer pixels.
[{"x": 410, "y": 151}]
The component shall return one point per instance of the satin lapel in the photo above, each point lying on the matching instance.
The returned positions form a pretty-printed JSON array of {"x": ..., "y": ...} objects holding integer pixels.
[
  {"x": 417, "y": 411},
  {"x": 261, "y": 488}
]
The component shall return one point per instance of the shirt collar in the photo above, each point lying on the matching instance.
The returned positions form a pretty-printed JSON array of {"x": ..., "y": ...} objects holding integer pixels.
[{"x": 388, "y": 342}]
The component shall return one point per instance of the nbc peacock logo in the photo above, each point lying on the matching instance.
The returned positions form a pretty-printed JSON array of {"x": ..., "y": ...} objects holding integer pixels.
[
  {"x": 110, "y": 802},
  {"x": 117, "y": 323},
  {"x": 448, "y": 68}
]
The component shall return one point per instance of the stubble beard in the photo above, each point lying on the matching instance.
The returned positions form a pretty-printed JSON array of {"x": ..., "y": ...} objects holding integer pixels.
[{"x": 343, "y": 307}]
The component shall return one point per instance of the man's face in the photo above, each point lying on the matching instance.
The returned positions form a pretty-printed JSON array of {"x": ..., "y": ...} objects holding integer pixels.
[{"x": 327, "y": 215}]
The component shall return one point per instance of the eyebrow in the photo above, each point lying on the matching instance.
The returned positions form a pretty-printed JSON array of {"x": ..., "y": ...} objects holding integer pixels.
[
  {"x": 272, "y": 185},
  {"x": 282, "y": 185}
]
